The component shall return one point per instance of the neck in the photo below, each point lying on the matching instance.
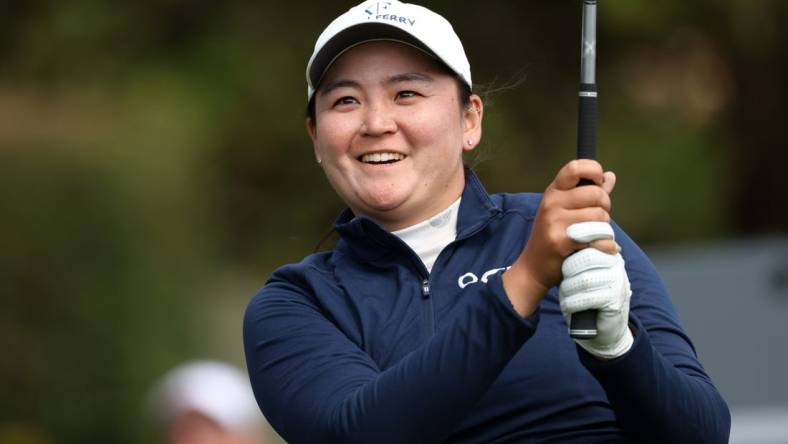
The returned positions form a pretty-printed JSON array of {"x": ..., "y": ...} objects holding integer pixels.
[{"x": 428, "y": 238}]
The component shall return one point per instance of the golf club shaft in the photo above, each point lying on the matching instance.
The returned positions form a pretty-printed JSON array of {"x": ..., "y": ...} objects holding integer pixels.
[{"x": 583, "y": 324}]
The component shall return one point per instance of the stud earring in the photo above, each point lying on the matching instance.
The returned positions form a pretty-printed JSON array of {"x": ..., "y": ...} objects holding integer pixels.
[{"x": 470, "y": 142}]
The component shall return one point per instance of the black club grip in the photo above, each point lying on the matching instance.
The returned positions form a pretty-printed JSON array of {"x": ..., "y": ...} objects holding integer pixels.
[
  {"x": 586, "y": 122},
  {"x": 583, "y": 324}
]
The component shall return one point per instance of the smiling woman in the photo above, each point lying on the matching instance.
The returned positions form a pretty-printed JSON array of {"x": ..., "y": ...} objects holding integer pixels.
[
  {"x": 389, "y": 131},
  {"x": 441, "y": 315}
]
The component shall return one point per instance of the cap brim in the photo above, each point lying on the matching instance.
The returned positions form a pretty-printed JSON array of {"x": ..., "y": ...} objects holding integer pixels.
[{"x": 353, "y": 36}]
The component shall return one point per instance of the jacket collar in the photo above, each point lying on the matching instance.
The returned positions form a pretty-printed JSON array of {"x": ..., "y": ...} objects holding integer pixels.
[{"x": 370, "y": 241}]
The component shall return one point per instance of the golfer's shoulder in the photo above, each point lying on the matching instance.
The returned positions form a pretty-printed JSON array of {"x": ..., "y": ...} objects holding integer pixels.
[
  {"x": 293, "y": 294},
  {"x": 299, "y": 280},
  {"x": 524, "y": 204},
  {"x": 314, "y": 267}
]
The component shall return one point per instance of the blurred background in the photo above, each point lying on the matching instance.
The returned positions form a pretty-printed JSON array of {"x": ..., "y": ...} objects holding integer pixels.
[{"x": 154, "y": 169}]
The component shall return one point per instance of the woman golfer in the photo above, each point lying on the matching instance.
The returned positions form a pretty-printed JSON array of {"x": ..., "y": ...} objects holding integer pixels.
[{"x": 441, "y": 314}]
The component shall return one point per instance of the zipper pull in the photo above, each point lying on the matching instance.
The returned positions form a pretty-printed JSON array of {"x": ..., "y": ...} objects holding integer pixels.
[{"x": 425, "y": 288}]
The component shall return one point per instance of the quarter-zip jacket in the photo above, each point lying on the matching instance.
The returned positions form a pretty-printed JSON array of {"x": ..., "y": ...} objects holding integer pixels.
[{"x": 362, "y": 345}]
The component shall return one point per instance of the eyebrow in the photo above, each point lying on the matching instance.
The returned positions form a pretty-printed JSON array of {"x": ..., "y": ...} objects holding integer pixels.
[
  {"x": 405, "y": 77},
  {"x": 409, "y": 77},
  {"x": 337, "y": 84}
]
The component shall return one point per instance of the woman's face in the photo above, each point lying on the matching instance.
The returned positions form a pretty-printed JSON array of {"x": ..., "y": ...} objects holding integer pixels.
[{"x": 390, "y": 131}]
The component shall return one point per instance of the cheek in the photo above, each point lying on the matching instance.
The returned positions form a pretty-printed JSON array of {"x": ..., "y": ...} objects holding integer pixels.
[
  {"x": 334, "y": 133},
  {"x": 438, "y": 127}
]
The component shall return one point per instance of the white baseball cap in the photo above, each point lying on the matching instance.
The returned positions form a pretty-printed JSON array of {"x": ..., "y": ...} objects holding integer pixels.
[
  {"x": 387, "y": 20},
  {"x": 217, "y": 390}
]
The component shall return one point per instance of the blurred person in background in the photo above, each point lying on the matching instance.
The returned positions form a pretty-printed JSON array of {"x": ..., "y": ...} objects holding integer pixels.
[
  {"x": 207, "y": 402},
  {"x": 441, "y": 315}
]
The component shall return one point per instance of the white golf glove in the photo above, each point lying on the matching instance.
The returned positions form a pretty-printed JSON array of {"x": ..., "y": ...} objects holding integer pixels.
[{"x": 594, "y": 280}]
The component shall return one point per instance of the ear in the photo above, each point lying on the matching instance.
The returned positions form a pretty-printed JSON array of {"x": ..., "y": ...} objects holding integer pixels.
[
  {"x": 312, "y": 131},
  {"x": 472, "y": 123}
]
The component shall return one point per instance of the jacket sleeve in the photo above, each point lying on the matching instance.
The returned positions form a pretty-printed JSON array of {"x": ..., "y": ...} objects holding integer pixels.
[
  {"x": 659, "y": 390},
  {"x": 316, "y": 385}
]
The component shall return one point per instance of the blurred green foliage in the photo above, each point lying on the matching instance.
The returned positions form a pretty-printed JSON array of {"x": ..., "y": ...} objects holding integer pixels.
[{"x": 154, "y": 167}]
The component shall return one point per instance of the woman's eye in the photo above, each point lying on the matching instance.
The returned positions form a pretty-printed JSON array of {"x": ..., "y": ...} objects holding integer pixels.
[
  {"x": 406, "y": 94},
  {"x": 347, "y": 100}
]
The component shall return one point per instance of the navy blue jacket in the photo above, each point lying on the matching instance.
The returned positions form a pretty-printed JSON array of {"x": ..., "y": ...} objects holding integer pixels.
[{"x": 362, "y": 345}]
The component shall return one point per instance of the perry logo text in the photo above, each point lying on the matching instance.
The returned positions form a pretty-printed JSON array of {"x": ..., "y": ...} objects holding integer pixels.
[{"x": 378, "y": 12}]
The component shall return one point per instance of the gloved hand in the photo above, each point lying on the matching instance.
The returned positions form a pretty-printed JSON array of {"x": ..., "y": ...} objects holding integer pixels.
[{"x": 597, "y": 280}]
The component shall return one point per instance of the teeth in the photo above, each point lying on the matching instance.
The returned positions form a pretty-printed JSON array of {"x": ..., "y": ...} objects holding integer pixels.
[{"x": 381, "y": 157}]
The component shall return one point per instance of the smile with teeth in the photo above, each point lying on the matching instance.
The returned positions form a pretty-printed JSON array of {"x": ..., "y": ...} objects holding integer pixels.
[{"x": 377, "y": 158}]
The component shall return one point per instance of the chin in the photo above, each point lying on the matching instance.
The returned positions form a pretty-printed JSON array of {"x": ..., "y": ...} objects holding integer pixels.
[
  {"x": 385, "y": 197},
  {"x": 382, "y": 205}
]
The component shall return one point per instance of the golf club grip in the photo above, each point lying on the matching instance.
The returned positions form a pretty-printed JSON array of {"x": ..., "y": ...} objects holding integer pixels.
[
  {"x": 583, "y": 324},
  {"x": 586, "y": 122}
]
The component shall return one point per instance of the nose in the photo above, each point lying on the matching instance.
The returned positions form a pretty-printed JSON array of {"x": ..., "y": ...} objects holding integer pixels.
[{"x": 378, "y": 120}]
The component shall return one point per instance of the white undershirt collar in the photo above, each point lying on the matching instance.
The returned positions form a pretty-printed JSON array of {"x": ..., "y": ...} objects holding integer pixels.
[{"x": 428, "y": 238}]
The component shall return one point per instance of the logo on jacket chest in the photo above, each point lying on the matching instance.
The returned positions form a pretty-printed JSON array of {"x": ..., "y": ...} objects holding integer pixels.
[{"x": 471, "y": 278}]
